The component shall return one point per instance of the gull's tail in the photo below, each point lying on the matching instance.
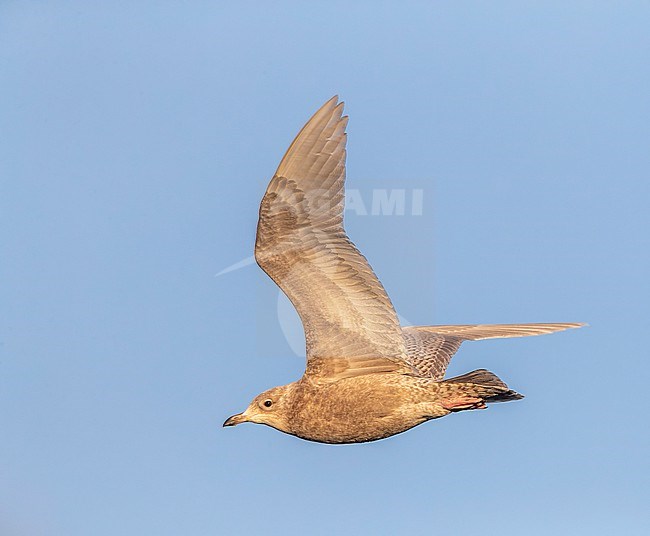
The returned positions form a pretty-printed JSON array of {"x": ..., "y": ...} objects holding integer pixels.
[{"x": 474, "y": 389}]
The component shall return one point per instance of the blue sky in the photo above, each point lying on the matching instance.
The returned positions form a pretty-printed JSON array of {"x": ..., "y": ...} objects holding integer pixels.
[{"x": 137, "y": 141}]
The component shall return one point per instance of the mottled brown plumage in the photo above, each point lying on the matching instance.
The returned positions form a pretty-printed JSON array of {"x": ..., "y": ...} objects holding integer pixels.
[{"x": 367, "y": 378}]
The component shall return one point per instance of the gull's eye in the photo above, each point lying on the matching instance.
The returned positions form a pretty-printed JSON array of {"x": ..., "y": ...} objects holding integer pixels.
[{"x": 268, "y": 403}]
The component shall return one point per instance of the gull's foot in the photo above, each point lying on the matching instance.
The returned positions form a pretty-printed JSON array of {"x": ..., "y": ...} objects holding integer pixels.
[{"x": 463, "y": 402}]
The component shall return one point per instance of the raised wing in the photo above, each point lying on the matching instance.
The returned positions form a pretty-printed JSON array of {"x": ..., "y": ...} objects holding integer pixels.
[
  {"x": 350, "y": 325},
  {"x": 430, "y": 348}
]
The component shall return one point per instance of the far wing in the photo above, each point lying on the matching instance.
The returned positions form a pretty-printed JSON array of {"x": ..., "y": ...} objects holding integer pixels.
[{"x": 430, "y": 348}]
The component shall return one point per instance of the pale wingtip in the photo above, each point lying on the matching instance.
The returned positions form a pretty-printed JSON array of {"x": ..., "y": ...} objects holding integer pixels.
[
  {"x": 335, "y": 100},
  {"x": 332, "y": 105},
  {"x": 332, "y": 101}
]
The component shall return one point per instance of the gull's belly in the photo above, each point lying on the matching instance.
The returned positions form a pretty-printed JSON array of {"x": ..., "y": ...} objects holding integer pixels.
[{"x": 358, "y": 410}]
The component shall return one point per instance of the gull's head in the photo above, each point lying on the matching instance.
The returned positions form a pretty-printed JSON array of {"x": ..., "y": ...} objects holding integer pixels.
[{"x": 268, "y": 408}]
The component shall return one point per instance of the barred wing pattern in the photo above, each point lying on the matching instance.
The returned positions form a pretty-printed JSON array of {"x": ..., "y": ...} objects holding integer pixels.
[
  {"x": 429, "y": 352},
  {"x": 430, "y": 348},
  {"x": 350, "y": 325}
]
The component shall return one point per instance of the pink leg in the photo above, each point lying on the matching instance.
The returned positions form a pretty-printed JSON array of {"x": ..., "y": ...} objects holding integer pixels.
[{"x": 462, "y": 402}]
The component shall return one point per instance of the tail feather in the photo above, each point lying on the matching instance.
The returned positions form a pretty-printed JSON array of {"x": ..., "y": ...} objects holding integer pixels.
[{"x": 486, "y": 385}]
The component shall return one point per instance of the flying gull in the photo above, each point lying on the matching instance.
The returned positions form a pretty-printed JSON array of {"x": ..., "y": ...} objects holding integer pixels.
[{"x": 367, "y": 378}]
